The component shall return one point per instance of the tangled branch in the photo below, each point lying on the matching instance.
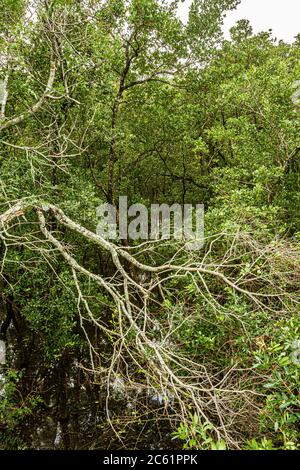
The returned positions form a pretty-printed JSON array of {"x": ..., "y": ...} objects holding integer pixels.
[{"x": 140, "y": 338}]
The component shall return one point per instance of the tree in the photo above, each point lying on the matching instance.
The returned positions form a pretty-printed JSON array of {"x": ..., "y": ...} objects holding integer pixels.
[{"x": 102, "y": 99}]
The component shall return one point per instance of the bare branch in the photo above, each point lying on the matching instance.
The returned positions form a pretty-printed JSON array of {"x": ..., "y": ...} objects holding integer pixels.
[{"x": 37, "y": 106}]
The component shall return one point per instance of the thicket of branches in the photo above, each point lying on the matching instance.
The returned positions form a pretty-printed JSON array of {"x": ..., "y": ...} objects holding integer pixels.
[{"x": 102, "y": 99}]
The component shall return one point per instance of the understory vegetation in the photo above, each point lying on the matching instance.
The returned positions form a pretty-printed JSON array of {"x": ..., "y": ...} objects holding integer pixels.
[{"x": 145, "y": 344}]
